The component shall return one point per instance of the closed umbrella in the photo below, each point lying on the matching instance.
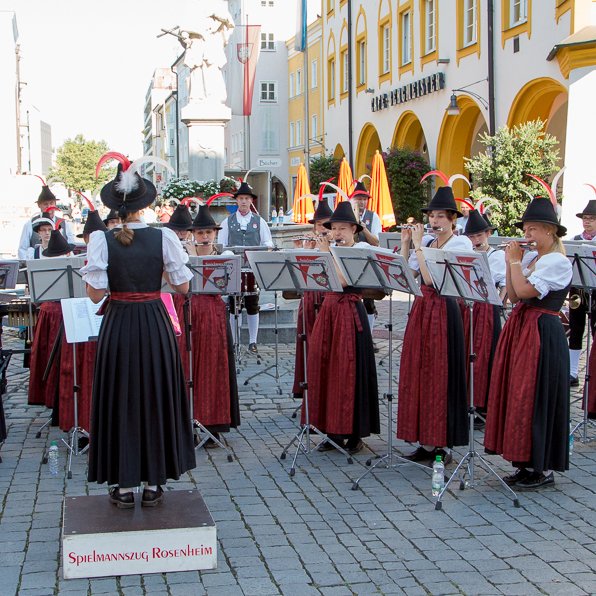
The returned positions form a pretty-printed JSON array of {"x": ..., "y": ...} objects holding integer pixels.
[
  {"x": 345, "y": 180},
  {"x": 302, "y": 210},
  {"x": 380, "y": 197}
]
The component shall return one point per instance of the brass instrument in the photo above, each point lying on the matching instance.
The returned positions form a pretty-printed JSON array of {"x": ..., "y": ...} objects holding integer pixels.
[{"x": 575, "y": 301}]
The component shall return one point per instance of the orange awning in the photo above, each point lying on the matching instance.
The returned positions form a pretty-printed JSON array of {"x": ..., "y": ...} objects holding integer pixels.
[
  {"x": 380, "y": 197},
  {"x": 345, "y": 180},
  {"x": 302, "y": 210}
]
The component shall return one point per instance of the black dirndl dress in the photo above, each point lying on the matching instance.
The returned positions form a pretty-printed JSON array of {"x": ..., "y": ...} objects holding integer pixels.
[{"x": 140, "y": 423}]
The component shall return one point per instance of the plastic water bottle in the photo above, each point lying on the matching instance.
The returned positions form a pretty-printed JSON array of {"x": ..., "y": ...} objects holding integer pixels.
[
  {"x": 53, "y": 458},
  {"x": 438, "y": 479},
  {"x": 280, "y": 217},
  {"x": 273, "y": 217},
  {"x": 571, "y": 441}
]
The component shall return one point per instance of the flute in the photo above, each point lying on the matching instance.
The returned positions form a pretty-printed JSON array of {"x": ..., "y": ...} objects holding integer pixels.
[
  {"x": 522, "y": 245},
  {"x": 427, "y": 228}
]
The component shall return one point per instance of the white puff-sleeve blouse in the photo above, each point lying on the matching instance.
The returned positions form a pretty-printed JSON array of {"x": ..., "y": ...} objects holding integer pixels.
[{"x": 552, "y": 272}]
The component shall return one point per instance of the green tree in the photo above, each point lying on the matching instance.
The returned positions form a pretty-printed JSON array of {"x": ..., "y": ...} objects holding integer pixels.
[
  {"x": 404, "y": 168},
  {"x": 75, "y": 165},
  {"x": 322, "y": 168},
  {"x": 501, "y": 172}
]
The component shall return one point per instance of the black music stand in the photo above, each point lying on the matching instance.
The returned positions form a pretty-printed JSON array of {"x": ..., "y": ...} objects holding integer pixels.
[
  {"x": 466, "y": 275},
  {"x": 583, "y": 261},
  {"x": 384, "y": 269},
  {"x": 299, "y": 271},
  {"x": 52, "y": 280},
  {"x": 215, "y": 275}
]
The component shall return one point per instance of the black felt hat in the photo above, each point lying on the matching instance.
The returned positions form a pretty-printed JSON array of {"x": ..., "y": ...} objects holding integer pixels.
[
  {"x": 111, "y": 216},
  {"x": 323, "y": 211},
  {"x": 360, "y": 190},
  {"x": 541, "y": 210},
  {"x": 589, "y": 209},
  {"x": 443, "y": 201},
  {"x": 46, "y": 218},
  {"x": 128, "y": 192},
  {"x": 477, "y": 222},
  {"x": 93, "y": 223},
  {"x": 46, "y": 194},
  {"x": 343, "y": 214},
  {"x": 180, "y": 220},
  {"x": 204, "y": 220},
  {"x": 57, "y": 246},
  {"x": 245, "y": 189}
]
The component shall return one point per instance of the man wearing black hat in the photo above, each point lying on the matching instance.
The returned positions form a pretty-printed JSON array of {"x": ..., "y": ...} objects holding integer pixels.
[
  {"x": 577, "y": 316},
  {"x": 245, "y": 228},
  {"x": 46, "y": 201},
  {"x": 112, "y": 219},
  {"x": 43, "y": 227}
]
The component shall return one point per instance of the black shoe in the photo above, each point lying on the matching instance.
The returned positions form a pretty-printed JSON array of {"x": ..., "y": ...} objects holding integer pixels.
[
  {"x": 253, "y": 348},
  {"x": 446, "y": 456},
  {"x": 122, "y": 500},
  {"x": 536, "y": 480},
  {"x": 519, "y": 475},
  {"x": 479, "y": 423},
  {"x": 573, "y": 382},
  {"x": 420, "y": 455},
  {"x": 151, "y": 498},
  {"x": 354, "y": 446},
  {"x": 210, "y": 443},
  {"x": 83, "y": 442}
]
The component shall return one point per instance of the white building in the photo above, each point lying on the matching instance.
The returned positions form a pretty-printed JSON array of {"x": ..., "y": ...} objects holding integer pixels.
[{"x": 410, "y": 56}]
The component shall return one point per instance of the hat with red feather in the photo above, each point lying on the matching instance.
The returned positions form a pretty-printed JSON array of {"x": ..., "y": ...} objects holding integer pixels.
[
  {"x": 58, "y": 245},
  {"x": 360, "y": 190},
  {"x": 93, "y": 223},
  {"x": 46, "y": 194},
  {"x": 180, "y": 220}
]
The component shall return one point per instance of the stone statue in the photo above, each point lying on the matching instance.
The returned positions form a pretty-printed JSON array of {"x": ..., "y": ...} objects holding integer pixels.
[{"x": 205, "y": 52}]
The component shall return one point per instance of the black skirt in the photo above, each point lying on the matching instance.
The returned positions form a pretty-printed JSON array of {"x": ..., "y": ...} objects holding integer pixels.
[{"x": 141, "y": 429}]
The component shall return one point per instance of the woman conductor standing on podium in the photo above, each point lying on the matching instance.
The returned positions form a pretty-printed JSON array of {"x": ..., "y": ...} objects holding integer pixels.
[{"x": 140, "y": 422}]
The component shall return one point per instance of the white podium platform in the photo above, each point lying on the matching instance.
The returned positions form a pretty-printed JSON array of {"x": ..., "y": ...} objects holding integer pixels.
[{"x": 99, "y": 540}]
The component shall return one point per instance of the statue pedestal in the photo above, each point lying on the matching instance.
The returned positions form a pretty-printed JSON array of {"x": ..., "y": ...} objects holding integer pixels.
[{"x": 205, "y": 124}]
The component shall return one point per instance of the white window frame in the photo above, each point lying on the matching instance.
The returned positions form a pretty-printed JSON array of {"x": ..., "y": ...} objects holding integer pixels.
[
  {"x": 406, "y": 32},
  {"x": 298, "y": 133},
  {"x": 430, "y": 22},
  {"x": 267, "y": 42},
  {"x": 344, "y": 66},
  {"x": 314, "y": 74},
  {"x": 299, "y": 82},
  {"x": 292, "y": 134},
  {"x": 386, "y": 49},
  {"x": 332, "y": 79},
  {"x": 314, "y": 125},
  {"x": 362, "y": 61},
  {"x": 270, "y": 90},
  {"x": 470, "y": 23},
  {"x": 291, "y": 86},
  {"x": 520, "y": 6}
]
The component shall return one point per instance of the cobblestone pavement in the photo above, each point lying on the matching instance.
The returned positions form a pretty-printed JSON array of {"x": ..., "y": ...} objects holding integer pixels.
[{"x": 312, "y": 534}]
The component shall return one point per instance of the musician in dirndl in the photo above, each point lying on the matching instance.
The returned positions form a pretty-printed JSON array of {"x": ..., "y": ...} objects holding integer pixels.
[
  {"x": 216, "y": 404},
  {"x": 578, "y": 302},
  {"x": 343, "y": 394},
  {"x": 310, "y": 302},
  {"x": 140, "y": 423},
  {"x": 86, "y": 352},
  {"x": 487, "y": 317},
  {"x": 245, "y": 228},
  {"x": 528, "y": 403},
  {"x": 432, "y": 406}
]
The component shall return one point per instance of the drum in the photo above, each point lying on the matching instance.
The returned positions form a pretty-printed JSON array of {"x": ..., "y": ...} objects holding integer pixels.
[{"x": 249, "y": 284}]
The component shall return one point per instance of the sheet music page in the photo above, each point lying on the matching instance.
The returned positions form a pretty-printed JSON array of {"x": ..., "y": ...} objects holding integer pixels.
[
  {"x": 586, "y": 260},
  {"x": 81, "y": 321}
]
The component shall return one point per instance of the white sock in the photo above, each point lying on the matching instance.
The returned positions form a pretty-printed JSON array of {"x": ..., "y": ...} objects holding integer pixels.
[
  {"x": 253, "y": 328},
  {"x": 152, "y": 487},
  {"x": 371, "y": 321},
  {"x": 124, "y": 491},
  {"x": 574, "y": 362}
]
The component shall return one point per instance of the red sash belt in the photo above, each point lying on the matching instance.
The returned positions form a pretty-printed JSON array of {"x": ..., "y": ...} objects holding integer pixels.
[
  {"x": 128, "y": 297},
  {"x": 352, "y": 299},
  {"x": 544, "y": 311}
]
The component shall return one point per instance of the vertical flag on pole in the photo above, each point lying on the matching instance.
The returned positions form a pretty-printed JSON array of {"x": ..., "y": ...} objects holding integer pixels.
[
  {"x": 247, "y": 53},
  {"x": 301, "y": 20}
]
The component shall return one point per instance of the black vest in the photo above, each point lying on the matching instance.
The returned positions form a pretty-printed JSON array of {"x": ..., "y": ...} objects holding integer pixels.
[
  {"x": 552, "y": 301},
  {"x": 139, "y": 266},
  {"x": 366, "y": 221}
]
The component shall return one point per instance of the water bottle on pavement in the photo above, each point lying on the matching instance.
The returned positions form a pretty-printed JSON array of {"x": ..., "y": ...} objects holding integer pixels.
[
  {"x": 280, "y": 217},
  {"x": 53, "y": 458},
  {"x": 438, "y": 479},
  {"x": 273, "y": 217}
]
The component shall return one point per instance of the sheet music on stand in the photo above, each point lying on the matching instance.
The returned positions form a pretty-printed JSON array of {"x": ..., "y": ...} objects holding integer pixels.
[
  {"x": 390, "y": 240},
  {"x": 301, "y": 270},
  {"x": 216, "y": 274},
  {"x": 9, "y": 271},
  {"x": 374, "y": 267},
  {"x": 81, "y": 321},
  {"x": 583, "y": 260},
  {"x": 462, "y": 274},
  {"x": 52, "y": 279}
]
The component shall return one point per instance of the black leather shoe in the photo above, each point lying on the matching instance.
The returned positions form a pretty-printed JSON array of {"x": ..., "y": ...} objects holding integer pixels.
[
  {"x": 420, "y": 455},
  {"x": 253, "y": 348},
  {"x": 121, "y": 500},
  {"x": 354, "y": 446},
  {"x": 536, "y": 480},
  {"x": 151, "y": 498},
  {"x": 519, "y": 475},
  {"x": 573, "y": 382},
  {"x": 210, "y": 443}
]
